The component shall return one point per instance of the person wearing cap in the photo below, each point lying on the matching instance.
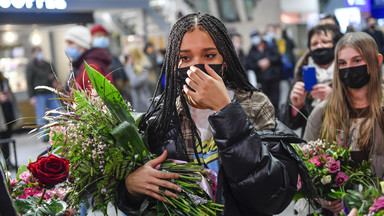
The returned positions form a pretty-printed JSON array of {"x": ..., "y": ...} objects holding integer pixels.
[
  {"x": 266, "y": 62},
  {"x": 78, "y": 48},
  {"x": 100, "y": 40}
]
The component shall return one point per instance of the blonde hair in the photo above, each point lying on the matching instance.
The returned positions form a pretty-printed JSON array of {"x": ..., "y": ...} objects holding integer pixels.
[
  {"x": 140, "y": 60},
  {"x": 339, "y": 106}
]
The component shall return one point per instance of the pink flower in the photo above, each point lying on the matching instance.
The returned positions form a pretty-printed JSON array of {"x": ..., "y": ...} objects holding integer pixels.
[
  {"x": 13, "y": 182},
  {"x": 25, "y": 176},
  {"x": 319, "y": 159},
  {"x": 315, "y": 160},
  {"x": 334, "y": 166},
  {"x": 298, "y": 182},
  {"x": 48, "y": 194},
  {"x": 341, "y": 178},
  {"x": 60, "y": 192},
  {"x": 23, "y": 197},
  {"x": 29, "y": 191},
  {"x": 378, "y": 205}
]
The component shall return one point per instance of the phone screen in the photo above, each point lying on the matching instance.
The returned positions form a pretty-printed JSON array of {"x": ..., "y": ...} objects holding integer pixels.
[{"x": 309, "y": 76}]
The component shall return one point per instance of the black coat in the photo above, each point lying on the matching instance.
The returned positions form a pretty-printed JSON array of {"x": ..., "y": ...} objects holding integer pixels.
[
  {"x": 6, "y": 206},
  {"x": 258, "y": 170},
  {"x": 273, "y": 72}
]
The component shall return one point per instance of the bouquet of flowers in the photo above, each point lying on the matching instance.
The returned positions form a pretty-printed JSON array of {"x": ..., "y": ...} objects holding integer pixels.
[
  {"x": 367, "y": 199},
  {"x": 330, "y": 168},
  {"x": 97, "y": 133},
  {"x": 33, "y": 190}
]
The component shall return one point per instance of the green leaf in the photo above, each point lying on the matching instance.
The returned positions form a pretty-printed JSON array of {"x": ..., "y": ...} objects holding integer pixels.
[
  {"x": 24, "y": 205},
  {"x": 53, "y": 207},
  {"x": 138, "y": 117},
  {"x": 126, "y": 134},
  {"x": 110, "y": 95}
]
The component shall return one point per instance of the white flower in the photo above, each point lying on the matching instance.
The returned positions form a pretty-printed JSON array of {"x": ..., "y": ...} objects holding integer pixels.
[
  {"x": 103, "y": 190},
  {"x": 326, "y": 179}
]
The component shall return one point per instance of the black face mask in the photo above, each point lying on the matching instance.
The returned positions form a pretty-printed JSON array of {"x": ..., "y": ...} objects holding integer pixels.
[
  {"x": 323, "y": 56},
  {"x": 182, "y": 72},
  {"x": 354, "y": 77}
]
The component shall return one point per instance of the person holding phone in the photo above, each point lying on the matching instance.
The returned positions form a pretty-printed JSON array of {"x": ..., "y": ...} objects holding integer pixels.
[
  {"x": 321, "y": 43},
  {"x": 354, "y": 108}
]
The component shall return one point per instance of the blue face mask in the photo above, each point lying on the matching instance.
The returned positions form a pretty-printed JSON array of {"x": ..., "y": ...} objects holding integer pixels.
[
  {"x": 268, "y": 38},
  {"x": 40, "y": 56},
  {"x": 73, "y": 52},
  {"x": 256, "y": 40},
  {"x": 159, "y": 60},
  {"x": 101, "y": 42}
]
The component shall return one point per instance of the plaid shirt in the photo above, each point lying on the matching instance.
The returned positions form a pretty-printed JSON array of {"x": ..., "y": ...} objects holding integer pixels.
[{"x": 257, "y": 106}]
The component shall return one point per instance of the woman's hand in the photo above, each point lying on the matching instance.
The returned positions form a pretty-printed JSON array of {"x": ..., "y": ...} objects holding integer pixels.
[
  {"x": 297, "y": 97},
  {"x": 334, "y": 206},
  {"x": 353, "y": 212},
  {"x": 147, "y": 181},
  {"x": 210, "y": 90},
  {"x": 321, "y": 91}
]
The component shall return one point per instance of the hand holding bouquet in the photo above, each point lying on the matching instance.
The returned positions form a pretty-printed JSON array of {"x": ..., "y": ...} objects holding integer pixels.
[
  {"x": 331, "y": 169},
  {"x": 98, "y": 135}
]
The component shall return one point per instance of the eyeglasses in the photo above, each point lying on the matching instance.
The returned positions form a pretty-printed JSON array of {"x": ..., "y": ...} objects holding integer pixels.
[{"x": 324, "y": 43}]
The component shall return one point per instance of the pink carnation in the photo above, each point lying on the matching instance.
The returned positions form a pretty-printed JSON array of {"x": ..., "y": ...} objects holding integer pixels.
[
  {"x": 25, "y": 176},
  {"x": 29, "y": 191},
  {"x": 13, "y": 182},
  {"x": 341, "y": 178},
  {"x": 334, "y": 166},
  {"x": 319, "y": 159},
  {"x": 23, "y": 197},
  {"x": 378, "y": 205}
]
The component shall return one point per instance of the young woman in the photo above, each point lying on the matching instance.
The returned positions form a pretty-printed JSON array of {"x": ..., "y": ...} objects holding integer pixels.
[
  {"x": 354, "y": 108},
  {"x": 210, "y": 113},
  {"x": 138, "y": 69},
  {"x": 322, "y": 40}
]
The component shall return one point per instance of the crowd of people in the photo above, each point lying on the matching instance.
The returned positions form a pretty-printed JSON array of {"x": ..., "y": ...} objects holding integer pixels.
[{"x": 210, "y": 111}]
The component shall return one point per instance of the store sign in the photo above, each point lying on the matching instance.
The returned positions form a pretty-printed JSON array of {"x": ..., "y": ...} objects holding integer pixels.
[
  {"x": 364, "y": 5},
  {"x": 39, "y": 4}
]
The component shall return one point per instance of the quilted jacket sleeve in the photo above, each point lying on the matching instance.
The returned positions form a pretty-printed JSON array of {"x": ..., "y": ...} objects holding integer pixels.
[{"x": 261, "y": 177}]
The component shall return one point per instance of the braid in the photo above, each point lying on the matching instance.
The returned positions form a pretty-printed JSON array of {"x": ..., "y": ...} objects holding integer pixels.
[{"x": 234, "y": 75}]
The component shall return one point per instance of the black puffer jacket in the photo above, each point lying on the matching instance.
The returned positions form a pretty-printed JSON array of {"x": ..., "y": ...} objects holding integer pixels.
[{"x": 258, "y": 170}]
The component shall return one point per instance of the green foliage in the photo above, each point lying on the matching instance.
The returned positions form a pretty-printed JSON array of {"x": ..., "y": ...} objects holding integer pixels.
[
  {"x": 29, "y": 207},
  {"x": 98, "y": 134}
]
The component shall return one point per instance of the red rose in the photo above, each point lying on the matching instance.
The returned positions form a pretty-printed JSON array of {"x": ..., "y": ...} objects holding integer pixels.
[{"x": 49, "y": 170}]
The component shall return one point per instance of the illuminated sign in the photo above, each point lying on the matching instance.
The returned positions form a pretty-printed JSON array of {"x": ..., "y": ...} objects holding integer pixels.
[
  {"x": 364, "y": 5},
  {"x": 39, "y": 4}
]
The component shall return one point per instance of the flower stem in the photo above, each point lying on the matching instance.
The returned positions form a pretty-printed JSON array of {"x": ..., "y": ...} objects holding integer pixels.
[{"x": 42, "y": 196}]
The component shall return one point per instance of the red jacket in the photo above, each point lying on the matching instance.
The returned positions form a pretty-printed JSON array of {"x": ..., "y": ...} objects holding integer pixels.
[{"x": 99, "y": 59}]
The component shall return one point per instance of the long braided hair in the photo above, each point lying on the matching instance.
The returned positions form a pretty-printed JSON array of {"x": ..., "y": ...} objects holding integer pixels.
[{"x": 234, "y": 75}]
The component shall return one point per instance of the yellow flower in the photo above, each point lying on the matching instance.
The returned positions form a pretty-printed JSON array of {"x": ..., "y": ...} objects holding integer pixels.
[{"x": 382, "y": 187}]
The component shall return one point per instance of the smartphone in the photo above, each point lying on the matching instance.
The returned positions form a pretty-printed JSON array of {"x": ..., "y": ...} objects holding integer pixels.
[{"x": 309, "y": 76}]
